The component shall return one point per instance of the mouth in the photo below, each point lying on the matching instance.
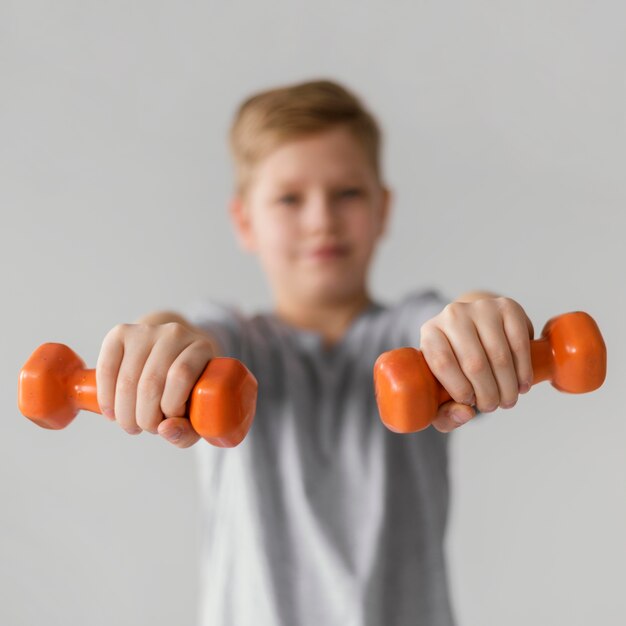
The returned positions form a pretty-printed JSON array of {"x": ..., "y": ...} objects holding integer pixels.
[{"x": 328, "y": 252}]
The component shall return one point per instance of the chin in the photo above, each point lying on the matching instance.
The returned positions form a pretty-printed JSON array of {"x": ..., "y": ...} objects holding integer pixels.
[{"x": 328, "y": 291}]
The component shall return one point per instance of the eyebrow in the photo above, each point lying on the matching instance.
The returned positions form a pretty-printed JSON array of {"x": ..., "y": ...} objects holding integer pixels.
[{"x": 351, "y": 178}]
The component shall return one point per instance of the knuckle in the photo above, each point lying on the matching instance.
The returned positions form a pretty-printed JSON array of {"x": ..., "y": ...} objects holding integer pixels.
[
  {"x": 453, "y": 309},
  {"x": 464, "y": 395},
  {"x": 181, "y": 373},
  {"x": 118, "y": 331},
  {"x": 520, "y": 345},
  {"x": 441, "y": 362},
  {"x": 205, "y": 344},
  {"x": 174, "y": 329},
  {"x": 150, "y": 384},
  {"x": 507, "y": 304},
  {"x": 474, "y": 366},
  {"x": 426, "y": 327},
  {"x": 142, "y": 328},
  {"x": 426, "y": 335},
  {"x": 126, "y": 382},
  {"x": 488, "y": 308},
  {"x": 484, "y": 302},
  {"x": 500, "y": 359}
]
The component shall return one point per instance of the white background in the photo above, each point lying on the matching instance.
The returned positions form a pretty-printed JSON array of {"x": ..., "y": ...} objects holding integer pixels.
[{"x": 505, "y": 127}]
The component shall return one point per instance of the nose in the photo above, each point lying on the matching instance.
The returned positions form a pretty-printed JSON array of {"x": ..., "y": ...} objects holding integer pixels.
[{"x": 320, "y": 213}]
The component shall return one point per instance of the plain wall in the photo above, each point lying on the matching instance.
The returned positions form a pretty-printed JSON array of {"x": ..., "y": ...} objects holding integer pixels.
[{"x": 505, "y": 127}]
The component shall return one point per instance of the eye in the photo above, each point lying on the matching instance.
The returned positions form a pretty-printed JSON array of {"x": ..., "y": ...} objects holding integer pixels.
[
  {"x": 351, "y": 192},
  {"x": 288, "y": 199}
]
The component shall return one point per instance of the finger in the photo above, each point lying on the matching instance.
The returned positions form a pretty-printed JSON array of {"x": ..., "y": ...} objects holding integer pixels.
[
  {"x": 451, "y": 415},
  {"x": 444, "y": 365},
  {"x": 496, "y": 345},
  {"x": 178, "y": 431},
  {"x": 107, "y": 368},
  {"x": 470, "y": 353},
  {"x": 150, "y": 389},
  {"x": 182, "y": 375},
  {"x": 519, "y": 332},
  {"x": 135, "y": 355}
]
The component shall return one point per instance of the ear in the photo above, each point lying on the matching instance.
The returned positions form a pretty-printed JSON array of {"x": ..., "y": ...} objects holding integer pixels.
[
  {"x": 385, "y": 208},
  {"x": 240, "y": 216}
]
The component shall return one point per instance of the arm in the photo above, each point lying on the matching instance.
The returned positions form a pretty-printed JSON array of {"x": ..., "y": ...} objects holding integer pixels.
[
  {"x": 471, "y": 296},
  {"x": 165, "y": 317}
]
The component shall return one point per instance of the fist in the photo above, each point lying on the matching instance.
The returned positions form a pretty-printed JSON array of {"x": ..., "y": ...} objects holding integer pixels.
[
  {"x": 480, "y": 352},
  {"x": 145, "y": 374}
]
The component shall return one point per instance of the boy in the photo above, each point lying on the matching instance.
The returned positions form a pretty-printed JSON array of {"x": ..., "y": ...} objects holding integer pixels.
[{"x": 321, "y": 516}]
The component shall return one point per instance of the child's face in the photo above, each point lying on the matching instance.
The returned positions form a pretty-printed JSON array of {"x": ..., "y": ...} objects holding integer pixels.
[{"x": 310, "y": 193}]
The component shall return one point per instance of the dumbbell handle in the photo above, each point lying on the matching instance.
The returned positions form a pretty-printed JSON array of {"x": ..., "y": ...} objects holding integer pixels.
[
  {"x": 54, "y": 385},
  {"x": 571, "y": 354}
]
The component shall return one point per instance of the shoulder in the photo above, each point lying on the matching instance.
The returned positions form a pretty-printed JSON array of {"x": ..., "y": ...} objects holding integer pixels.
[
  {"x": 414, "y": 309},
  {"x": 426, "y": 296},
  {"x": 425, "y": 302}
]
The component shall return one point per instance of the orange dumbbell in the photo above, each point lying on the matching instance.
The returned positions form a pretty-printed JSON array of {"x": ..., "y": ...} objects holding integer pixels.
[
  {"x": 571, "y": 354},
  {"x": 54, "y": 385}
]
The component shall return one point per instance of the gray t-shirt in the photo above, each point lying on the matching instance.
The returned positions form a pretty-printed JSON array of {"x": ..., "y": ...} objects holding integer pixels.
[{"x": 322, "y": 516}]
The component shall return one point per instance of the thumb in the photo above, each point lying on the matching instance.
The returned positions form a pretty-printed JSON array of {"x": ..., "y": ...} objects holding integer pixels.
[
  {"x": 178, "y": 431},
  {"x": 451, "y": 415}
]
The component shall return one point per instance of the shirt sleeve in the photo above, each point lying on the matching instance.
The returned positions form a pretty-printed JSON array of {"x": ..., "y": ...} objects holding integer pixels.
[
  {"x": 416, "y": 308},
  {"x": 224, "y": 322}
]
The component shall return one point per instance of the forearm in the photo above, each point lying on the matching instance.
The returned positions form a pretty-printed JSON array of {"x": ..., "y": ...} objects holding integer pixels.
[
  {"x": 471, "y": 296},
  {"x": 163, "y": 317}
]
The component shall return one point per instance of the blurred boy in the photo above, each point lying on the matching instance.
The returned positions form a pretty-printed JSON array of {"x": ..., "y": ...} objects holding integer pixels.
[{"x": 321, "y": 516}]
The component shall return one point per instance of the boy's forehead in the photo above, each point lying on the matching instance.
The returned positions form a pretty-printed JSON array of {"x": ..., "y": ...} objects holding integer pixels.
[
  {"x": 285, "y": 179},
  {"x": 338, "y": 148},
  {"x": 295, "y": 172},
  {"x": 329, "y": 158}
]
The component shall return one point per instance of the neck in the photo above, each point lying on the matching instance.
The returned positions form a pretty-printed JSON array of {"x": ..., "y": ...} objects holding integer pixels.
[{"x": 330, "y": 318}]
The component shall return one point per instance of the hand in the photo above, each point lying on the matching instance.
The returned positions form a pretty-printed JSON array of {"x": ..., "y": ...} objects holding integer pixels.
[
  {"x": 480, "y": 352},
  {"x": 145, "y": 374}
]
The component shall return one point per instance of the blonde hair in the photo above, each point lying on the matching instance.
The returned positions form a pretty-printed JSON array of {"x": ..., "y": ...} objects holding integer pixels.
[{"x": 268, "y": 118}]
